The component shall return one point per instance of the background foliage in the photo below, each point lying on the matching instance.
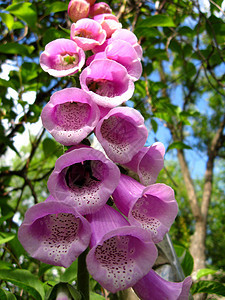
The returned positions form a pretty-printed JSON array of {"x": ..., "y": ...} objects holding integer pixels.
[{"x": 181, "y": 95}]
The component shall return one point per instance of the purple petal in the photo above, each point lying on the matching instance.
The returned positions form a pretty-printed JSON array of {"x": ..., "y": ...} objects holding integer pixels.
[
  {"x": 109, "y": 23},
  {"x": 70, "y": 116},
  {"x": 124, "y": 53},
  {"x": 99, "y": 55},
  {"x": 148, "y": 162},
  {"x": 130, "y": 37},
  {"x": 127, "y": 192},
  {"x": 102, "y": 47},
  {"x": 153, "y": 208},
  {"x": 62, "y": 57},
  {"x": 155, "y": 211},
  {"x": 123, "y": 255},
  {"x": 54, "y": 233},
  {"x": 84, "y": 177},
  {"x": 87, "y": 34},
  {"x": 153, "y": 287},
  {"x": 122, "y": 133},
  {"x": 107, "y": 82}
]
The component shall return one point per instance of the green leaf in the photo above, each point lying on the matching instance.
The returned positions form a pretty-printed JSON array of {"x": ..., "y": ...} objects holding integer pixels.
[
  {"x": 25, "y": 280},
  {"x": 56, "y": 7},
  {"x": 5, "y": 83},
  {"x": 148, "y": 32},
  {"x": 25, "y": 12},
  {"x": 50, "y": 147},
  {"x": 74, "y": 293},
  {"x": 16, "y": 248},
  {"x": 185, "y": 259},
  {"x": 154, "y": 125},
  {"x": 29, "y": 71},
  {"x": 18, "y": 25},
  {"x": 53, "y": 34},
  {"x": 67, "y": 289},
  {"x": 2, "y": 295},
  {"x": 156, "y": 20},
  {"x": 209, "y": 287},
  {"x": 185, "y": 30},
  {"x": 10, "y": 296},
  {"x": 9, "y": 143},
  {"x": 5, "y": 265},
  {"x": 178, "y": 145},
  {"x": 6, "y": 237},
  {"x": 43, "y": 268},
  {"x": 94, "y": 296},
  {"x": 204, "y": 272},
  {"x": 155, "y": 53},
  {"x": 6, "y": 217},
  {"x": 140, "y": 88},
  {"x": 15, "y": 48},
  {"x": 189, "y": 69},
  {"x": 8, "y": 20},
  {"x": 70, "y": 273}
]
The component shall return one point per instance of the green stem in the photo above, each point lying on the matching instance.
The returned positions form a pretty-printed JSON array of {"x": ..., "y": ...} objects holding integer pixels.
[{"x": 83, "y": 276}]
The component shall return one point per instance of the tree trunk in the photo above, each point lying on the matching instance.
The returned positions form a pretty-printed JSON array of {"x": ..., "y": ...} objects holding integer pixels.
[{"x": 197, "y": 247}]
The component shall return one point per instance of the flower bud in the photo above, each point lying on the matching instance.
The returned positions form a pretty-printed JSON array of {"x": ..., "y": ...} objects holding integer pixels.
[
  {"x": 78, "y": 9},
  {"x": 99, "y": 8},
  {"x": 92, "y": 2},
  {"x": 63, "y": 291}
]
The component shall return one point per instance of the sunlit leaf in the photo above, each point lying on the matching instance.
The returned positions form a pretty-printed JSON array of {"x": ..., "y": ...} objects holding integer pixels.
[
  {"x": 25, "y": 280},
  {"x": 185, "y": 258},
  {"x": 94, "y": 296},
  {"x": 6, "y": 237},
  {"x": 209, "y": 287},
  {"x": 156, "y": 20},
  {"x": 178, "y": 145},
  {"x": 25, "y": 12},
  {"x": 6, "y": 217},
  {"x": 15, "y": 48},
  {"x": 205, "y": 272},
  {"x": 8, "y": 20},
  {"x": 56, "y": 7}
]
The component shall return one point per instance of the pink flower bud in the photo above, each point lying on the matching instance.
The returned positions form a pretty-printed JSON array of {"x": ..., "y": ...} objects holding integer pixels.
[
  {"x": 78, "y": 9},
  {"x": 91, "y": 2},
  {"x": 99, "y": 8}
]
